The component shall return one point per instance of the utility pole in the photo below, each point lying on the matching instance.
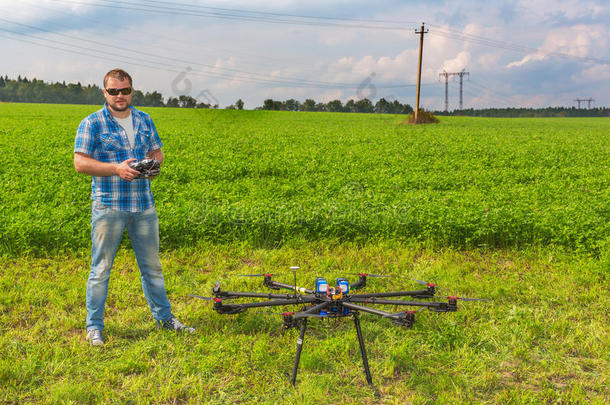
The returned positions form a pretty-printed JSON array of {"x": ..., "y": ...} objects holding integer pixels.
[
  {"x": 446, "y": 75},
  {"x": 421, "y": 33}
]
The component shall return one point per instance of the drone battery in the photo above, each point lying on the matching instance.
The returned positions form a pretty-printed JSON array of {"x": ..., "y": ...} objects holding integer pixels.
[
  {"x": 343, "y": 284},
  {"x": 321, "y": 285}
]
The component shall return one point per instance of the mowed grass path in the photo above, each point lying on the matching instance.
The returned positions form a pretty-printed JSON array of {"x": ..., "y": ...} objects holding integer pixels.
[
  {"x": 270, "y": 177},
  {"x": 543, "y": 337}
]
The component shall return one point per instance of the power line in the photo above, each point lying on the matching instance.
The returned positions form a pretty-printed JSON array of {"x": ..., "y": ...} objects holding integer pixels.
[
  {"x": 283, "y": 14},
  {"x": 277, "y": 80},
  {"x": 156, "y": 35},
  {"x": 453, "y": 34},
  {"x": 496, "y": 95},
  {"x": 233, "y": 74},
  {"x": 125, "y": 5},
  {"x": 266, "y": 17},
  {"x": 153, "y": 63}
]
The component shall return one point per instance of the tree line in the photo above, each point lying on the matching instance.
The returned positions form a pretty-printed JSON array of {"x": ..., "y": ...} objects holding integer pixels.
[
  {"x": 531, "y": 112},
  {"x": 23, "y": 90},
  {"x": 37, "y": 91},
  {"x": 364, "y": 105}
]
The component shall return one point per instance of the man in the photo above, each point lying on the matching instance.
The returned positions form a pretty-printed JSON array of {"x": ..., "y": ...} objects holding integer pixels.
[{"x": 106, "y": 143}]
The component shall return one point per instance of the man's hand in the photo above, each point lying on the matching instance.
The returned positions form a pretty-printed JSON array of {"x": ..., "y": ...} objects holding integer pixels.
[{"x": 125, "y": 171}]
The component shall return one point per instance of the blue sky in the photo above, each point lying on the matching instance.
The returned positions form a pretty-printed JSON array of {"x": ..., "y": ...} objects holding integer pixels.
[{"x": 517, "y": 53}]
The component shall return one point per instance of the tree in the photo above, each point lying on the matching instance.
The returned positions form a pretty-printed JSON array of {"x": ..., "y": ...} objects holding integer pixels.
[
  {"x": 268, "y": 104},
  {"x": 382, "y": 106},
  {"x": 334, "y": 106},
  {"x": 239, "y": 104},
  {"x": 187, "y": 101},
  {"x": 349, "y": 106},
  {"x": 154, "y": 99},
  {"x": 309, "y": 105},
  {"x": 290, "y": 105},
  {"x": 172, "y": 102}
]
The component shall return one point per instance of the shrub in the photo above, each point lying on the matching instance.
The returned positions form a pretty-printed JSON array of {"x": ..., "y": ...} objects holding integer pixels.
[{"x": 423, "y": 117}]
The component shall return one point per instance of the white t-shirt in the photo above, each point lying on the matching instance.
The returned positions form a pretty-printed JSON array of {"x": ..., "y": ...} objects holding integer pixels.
[{"x": 127, "y": 124}]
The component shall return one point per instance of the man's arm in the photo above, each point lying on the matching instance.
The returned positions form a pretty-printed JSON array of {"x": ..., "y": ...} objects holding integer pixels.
[
  {"x": 85, "y": 164},
  {"x": 156, "y": 154}
]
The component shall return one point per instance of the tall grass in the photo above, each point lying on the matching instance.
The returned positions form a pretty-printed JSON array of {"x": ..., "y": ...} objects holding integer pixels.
[{"x": 271, "y": 177}]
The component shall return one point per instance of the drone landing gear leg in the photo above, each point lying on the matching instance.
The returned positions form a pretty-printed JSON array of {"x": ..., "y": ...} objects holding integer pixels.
[
  {"x": 365, "y": 360},
  {"x": 299, "y": 350}
]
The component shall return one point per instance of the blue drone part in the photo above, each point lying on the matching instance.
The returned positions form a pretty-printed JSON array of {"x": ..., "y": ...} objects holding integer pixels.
[
  {"x": 343, "y": 284},
  {"x": 321, "y": 285},
  {"x": 323, "y": 313}
]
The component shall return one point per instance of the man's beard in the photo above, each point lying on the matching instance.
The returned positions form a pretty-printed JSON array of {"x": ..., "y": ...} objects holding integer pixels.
[{"x": 115, "y": 108}]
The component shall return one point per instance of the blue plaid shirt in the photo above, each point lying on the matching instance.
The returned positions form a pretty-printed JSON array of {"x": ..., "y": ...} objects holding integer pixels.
[{"x": 101, "y": 137}]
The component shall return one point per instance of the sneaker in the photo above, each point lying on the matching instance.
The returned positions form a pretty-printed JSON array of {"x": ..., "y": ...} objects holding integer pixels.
[
  {"x": 95, "y": 336},
  {"x": 175, "y": 325}
]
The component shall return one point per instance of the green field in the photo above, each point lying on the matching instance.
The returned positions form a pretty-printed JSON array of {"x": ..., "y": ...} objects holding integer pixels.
[
  {"x": 515, "y": 210},
  {"x": 271, "y": 177}
]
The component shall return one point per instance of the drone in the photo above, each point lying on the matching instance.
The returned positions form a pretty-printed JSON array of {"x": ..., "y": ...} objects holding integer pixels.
[{"x": 333, "y": 301}]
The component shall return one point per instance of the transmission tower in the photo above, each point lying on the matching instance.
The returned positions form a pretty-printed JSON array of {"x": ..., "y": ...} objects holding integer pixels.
[
  {"x": 447, "y": 75},
  {"x": 588, "y": 100},
  {"x": 461, "y": 75}
]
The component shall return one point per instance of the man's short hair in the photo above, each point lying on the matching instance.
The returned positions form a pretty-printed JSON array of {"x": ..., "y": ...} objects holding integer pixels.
[{"x": 119, "y": 74}]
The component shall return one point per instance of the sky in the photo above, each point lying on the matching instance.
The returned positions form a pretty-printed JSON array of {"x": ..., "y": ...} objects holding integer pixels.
[{"x": 514, "y": 53}]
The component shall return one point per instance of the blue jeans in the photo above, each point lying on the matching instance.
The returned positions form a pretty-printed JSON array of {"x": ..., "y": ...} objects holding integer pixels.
[{"x": 107, "y": 227}]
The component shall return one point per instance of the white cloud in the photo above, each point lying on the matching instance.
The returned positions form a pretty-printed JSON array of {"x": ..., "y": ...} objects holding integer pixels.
[
  {"x": 458, "y": 63},
  {"x": 578, "y": 41}
]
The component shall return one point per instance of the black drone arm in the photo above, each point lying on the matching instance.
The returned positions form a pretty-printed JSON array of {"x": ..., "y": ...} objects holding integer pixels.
[
  {"x": 237, "y": 294},
  {"x": 429, "y": 293},
  {"x": 433, "y": 306},
  {"x": 313, "y": 310},
  {"x": 222, "y": 308},
  {"x": 366, "y": 309},
  {"x": 276, "y": 285},
  {"x": 275, "y": 303}
]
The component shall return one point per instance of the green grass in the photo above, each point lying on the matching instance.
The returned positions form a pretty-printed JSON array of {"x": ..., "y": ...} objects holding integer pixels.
[
  {"x": 272, "y": 177},
  {"x": 542, "y": 338},
  {"x": 515, "y": 210}
]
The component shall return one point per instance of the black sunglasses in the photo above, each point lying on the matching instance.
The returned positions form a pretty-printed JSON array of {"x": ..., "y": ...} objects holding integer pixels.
[{"x": 115, "y": 92}]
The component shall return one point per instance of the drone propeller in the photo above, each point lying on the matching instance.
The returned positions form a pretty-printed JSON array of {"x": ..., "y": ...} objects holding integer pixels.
[
  {"x": 427, "y": 284},
  {"x": 367, "y": 275},
  {"x": 403, "y": 313},
  {"x": 468, "y": 299},
  {"x": 200, "y": 297}
]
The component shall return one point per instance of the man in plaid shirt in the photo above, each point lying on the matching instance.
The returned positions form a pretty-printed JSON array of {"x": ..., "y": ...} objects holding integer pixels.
[{"x": 106, "y": 143}]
